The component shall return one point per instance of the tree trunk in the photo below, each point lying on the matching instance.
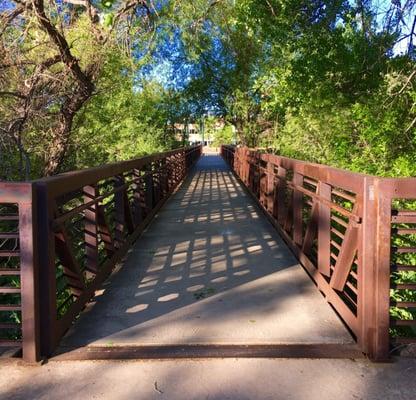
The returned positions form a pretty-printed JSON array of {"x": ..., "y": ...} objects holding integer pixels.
[{"x": 60, "y": 139}]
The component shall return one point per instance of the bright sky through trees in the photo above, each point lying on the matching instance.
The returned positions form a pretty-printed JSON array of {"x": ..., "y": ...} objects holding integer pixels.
[{"x": 323, "y": 80}]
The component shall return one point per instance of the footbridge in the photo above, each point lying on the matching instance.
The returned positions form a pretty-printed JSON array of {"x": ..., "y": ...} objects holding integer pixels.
[{"x": 191, "y": 253}]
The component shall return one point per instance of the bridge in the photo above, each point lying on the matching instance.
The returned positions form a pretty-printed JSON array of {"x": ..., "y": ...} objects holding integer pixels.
[{"x": 185, "y": 254}]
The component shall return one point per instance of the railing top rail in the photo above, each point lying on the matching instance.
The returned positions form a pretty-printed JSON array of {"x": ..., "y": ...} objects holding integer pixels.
[
  {"x": 73, "y": 180},
  {"x": 400, "y": 186},
  {"x": 15, "y": 192}
]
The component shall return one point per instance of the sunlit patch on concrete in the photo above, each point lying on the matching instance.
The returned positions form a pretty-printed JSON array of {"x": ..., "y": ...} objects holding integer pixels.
[
  {"x": 168, "y": 297},
  {"x": 137, "y": 308}
]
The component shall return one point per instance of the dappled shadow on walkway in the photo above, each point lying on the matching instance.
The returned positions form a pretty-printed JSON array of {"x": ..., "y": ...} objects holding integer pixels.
[{"x": 210, "y": 269}]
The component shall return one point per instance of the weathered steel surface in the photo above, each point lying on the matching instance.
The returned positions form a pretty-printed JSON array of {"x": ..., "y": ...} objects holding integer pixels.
[
  {"x": 340, "y": 229},
  {"x": 210, "y": 270},
  {"x": 353, "y": 233},
  {"x": 19, "y": 311},
  {"x": 75, "y": 225},
  {"x": 329, "y": 350}
]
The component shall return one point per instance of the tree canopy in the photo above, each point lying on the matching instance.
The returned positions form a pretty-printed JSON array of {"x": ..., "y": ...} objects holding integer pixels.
[{"x": 84, "y": 82}]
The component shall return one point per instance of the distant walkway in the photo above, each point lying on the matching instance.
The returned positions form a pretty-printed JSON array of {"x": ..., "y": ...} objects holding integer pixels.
[{"x": 210, "y": 269}]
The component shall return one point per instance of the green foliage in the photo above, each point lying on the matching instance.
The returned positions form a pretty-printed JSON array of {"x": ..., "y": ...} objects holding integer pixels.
[
  {"x": 325, "y": 86},
  {"x": 124, "y": 120},
  {"x": 224, "y": 135}
]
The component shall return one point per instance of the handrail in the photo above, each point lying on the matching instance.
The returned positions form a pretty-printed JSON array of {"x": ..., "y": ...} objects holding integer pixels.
[
  {"x": 344, "y": 235},
  {"x": 77, "y": 226}
]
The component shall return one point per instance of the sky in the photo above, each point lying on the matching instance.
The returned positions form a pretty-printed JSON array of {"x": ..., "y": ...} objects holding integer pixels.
[{"x": 173, "y": 70}]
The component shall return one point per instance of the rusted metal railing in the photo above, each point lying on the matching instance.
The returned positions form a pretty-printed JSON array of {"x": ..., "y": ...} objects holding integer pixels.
[
  {"x": 61, "y": 237},
  {"x": 339, "y": 225},
  {"x": 19, "y": 294}
]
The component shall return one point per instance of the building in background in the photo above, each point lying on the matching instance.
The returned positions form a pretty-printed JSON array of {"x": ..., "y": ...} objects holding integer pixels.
[{"x": 202, "y": 132}]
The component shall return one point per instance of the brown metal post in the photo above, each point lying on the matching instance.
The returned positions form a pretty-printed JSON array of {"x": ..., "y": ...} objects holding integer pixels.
[
  {"x": 366, "y": 267},
  {"x": 374, "y": 271},
  {"x": 47, "y": 270},
  {"x": 29, "y": 279},
  {"x": 380, "y": 350}
]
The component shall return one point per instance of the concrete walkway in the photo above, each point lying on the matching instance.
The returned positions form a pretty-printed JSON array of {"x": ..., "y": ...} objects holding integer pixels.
[
  {"x": 209, "y": 270},
  {"x": 229, "y": 379}
]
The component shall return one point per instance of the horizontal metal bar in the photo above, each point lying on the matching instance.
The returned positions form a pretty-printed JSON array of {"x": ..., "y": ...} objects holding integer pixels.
[
  {"x": 9, "y": 235},
  {"x": 310, "y": 181},
  {"x": 339, "y": 221},
  {"x": 9, "y": 253},
  {"x": 9, "y": 271},
  {"x": 10, "y": 343},
  {"x": 399, "y": 267},
  {"x": 403, "y": 340},
  {"x": 9, "y": 325},
  {"x": 70, "y": 181},
  {"x": 403, "y": 286},
  {"x": 308, "y": 350},
  {"x": 404, "y": 218},
  {"x": 77, "y": 210},
  {"x": 10, "y": 307},
  {"x": 322, "y": 200},
  {"x": 403, "y": 304},
  {"x": 403, "y": 249},
  {"x": 338, "y": 233},
  {"x": 9, "y": 290},
  {"x": 335, "y": 244},
  {"x": 404, "y": 231},
  {"x": 403, "y": 322},
  {"x": 345, "y": 196},
  {"x": 8, "y": 217}
]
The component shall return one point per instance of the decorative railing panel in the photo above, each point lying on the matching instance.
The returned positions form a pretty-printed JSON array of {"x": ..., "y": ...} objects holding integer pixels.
[
  {"x": 81, "y": 224},
  {"x": 19, "y": 312},
  {"x": 338, "y": 224}
]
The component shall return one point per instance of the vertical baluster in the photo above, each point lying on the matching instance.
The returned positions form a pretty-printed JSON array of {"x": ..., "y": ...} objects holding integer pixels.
[
  {"x": 324, "y": 230},
  {"x": 148, "y": 181},
  {"x": 123, "y": 218},
  {"x": 280, "y": 195},
  {"x": 91, "y": 230},
  {"x": 297, "y": 210},
  {"x": 138, "y": 198},
  {"x": 270, "y": 187}
]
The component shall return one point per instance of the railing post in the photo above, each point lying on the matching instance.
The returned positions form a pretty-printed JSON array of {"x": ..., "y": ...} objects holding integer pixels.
[
  {"x": 29, "y": 277},
  {"x": 47, "y": 270},
  {"x": 374, "y": 271},
  {"x": 382, "y": 273}
]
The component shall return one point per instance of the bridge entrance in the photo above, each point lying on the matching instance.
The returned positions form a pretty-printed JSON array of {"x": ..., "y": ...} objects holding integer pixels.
[
  {"x": 209, "y": 276},
  {"x": 157, "y": 257}
]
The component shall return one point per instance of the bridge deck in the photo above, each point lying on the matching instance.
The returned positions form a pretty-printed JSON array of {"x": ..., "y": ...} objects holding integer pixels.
[{"x": 209, "y": 270}]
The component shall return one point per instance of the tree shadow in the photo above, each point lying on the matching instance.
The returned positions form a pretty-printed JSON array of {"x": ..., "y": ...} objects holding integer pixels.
[{"x": 209, "y": 269}]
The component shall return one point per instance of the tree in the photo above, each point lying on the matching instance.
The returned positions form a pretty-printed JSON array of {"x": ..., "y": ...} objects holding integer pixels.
[{"x": 53, "y": 57}]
